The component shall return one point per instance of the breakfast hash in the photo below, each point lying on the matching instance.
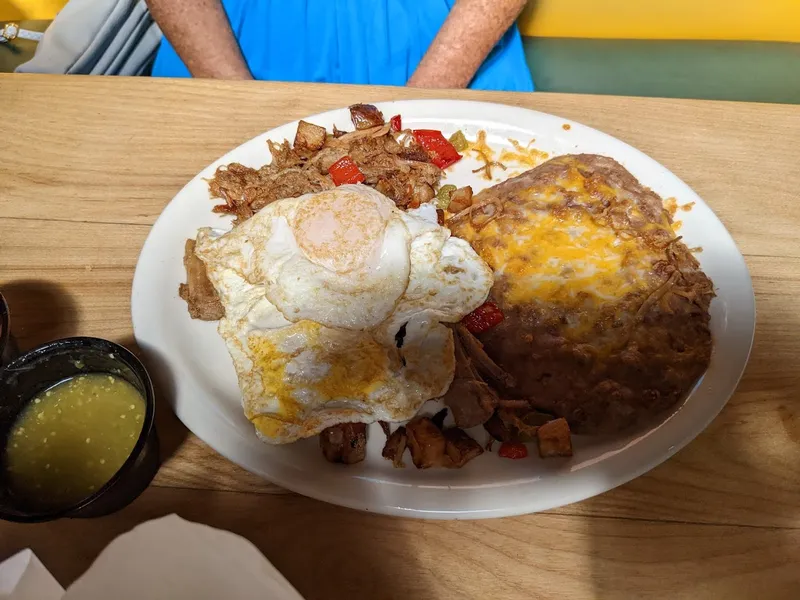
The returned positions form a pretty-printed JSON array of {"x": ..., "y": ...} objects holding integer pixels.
[{"x": 354, "y": 287}]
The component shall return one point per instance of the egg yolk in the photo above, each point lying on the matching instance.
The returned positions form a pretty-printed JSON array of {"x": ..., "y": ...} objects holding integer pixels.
[
  {"x": 341, "y": 229},
  {"x": 299, "y": 358}
]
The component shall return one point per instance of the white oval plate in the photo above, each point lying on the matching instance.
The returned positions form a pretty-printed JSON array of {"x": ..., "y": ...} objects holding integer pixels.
[{"x": 206, "y": 397}]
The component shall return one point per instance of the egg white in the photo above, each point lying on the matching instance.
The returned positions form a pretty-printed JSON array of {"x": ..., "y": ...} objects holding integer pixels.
[{"x": 312, "y": 315}]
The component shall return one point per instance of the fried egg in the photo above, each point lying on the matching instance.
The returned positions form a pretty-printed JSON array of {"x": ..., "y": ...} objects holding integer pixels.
[{"x": 334, "y": 304}]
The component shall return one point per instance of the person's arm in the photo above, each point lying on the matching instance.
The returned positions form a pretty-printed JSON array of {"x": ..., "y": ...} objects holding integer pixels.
[
  {"x": 201, "y": 34},
  {"x": 468, "y": 35}
]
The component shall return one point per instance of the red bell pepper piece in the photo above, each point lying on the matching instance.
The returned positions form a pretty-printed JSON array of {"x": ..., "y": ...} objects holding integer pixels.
[
  {"x": 483, "y": 318},
  {"x": 442, "y": 152},
  {"x": 345, "y": 171},
  {"x": 513, "y": 450},
  {"x": 396, "y": 123}
]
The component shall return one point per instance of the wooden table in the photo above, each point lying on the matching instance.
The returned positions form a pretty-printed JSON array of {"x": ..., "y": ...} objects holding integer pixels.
[{"x": 91, "y": 164}]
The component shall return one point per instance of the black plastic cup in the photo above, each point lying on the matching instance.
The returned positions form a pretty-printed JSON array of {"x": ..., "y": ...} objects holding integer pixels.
[
  {"x": 26, "y": 377},
  {"x": 8, "y": 348}
]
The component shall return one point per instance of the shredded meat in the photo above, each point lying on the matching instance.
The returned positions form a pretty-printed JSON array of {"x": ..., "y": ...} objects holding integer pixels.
[
  {"x": 391, "y": 162},
  {"x": 246, "y": 190},
  {"x": 345, "y": 443},
  {"x": 413, "y": 152},
  {"x": 198, "y": 292},
  {"x": 517, "y": 425},
  {"x": 469, "y": 398},
  {"x": 485, "y": 365}
]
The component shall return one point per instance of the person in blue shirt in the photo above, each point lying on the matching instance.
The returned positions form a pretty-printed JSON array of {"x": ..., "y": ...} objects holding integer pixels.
[{"x": 423, "y": 43}]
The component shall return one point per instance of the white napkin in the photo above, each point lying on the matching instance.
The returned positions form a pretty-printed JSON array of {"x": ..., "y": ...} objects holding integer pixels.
[
  {"x": 168, "y": 558},
  {"x": 23, "y": 577}
]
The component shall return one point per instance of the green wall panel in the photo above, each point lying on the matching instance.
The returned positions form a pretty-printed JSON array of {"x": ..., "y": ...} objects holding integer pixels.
[{"x": 749, "y": 71}]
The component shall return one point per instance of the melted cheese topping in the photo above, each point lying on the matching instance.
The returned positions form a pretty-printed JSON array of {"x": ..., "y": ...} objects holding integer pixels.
[
  {"x": 479, "y": 148},
  {"x": 523, "y": 155},
  {"x": 520, "y": 156},
  {"x": 671, "y": 206},
  {"x": 549, "y": 254},
  {"x": 562, "y": 259}
]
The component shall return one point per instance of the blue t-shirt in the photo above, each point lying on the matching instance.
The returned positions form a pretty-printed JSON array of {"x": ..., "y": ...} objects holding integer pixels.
[{"x": 349, "y": 41}]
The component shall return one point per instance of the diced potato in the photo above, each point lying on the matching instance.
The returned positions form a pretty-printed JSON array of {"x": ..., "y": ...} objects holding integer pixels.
[
  {"x": 198, "y": 291},
  {"x": 461, "y": 448},
  {"x": 344, "y": 443},
  {"x": 427, "y": 443},
  {"x": 395, "y": 447},
  {"x": 554, "y": 439},
  {"x": 460, "y": 199},
  {"x": 309, "y": 136}
]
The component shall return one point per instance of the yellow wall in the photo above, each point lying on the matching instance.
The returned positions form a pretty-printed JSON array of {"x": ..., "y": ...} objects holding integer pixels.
[
  {"x": 763, "y": 20},
  {"x": 30, "y": 9}
]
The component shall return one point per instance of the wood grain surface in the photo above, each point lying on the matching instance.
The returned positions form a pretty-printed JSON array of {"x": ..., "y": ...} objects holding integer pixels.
[{"x": 88, "y": 165}]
